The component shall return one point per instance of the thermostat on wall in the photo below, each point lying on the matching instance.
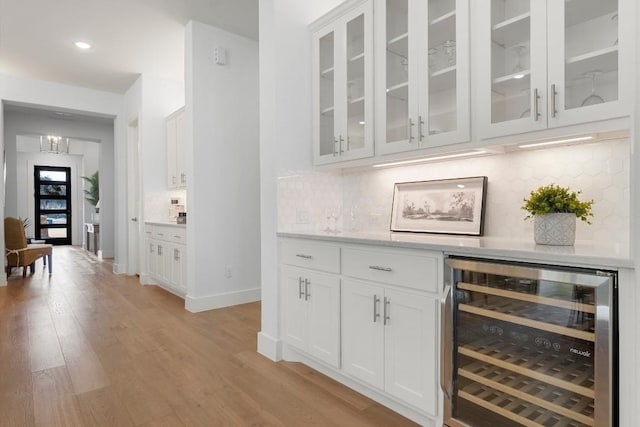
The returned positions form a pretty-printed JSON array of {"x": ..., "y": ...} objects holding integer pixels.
[{"x": 220, "y": 55}]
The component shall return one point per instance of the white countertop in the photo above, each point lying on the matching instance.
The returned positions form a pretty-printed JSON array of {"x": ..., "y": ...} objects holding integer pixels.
[
  {"x": 584, "y": 254},
  {"x": 169, "y": 223}
]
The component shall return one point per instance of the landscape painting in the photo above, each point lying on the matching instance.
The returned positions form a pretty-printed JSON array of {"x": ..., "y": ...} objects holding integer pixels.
[{"x": 450, "y": 206}]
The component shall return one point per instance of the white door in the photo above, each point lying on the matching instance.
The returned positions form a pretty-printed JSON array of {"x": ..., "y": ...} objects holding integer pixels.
[
  {"x": 410, "y": 348},
  {"x": 363, "y": 331},
  {"x": 322, "y": 294},
  {"x": 295, "y": 306},
  {"x": 133, "y": 199}
]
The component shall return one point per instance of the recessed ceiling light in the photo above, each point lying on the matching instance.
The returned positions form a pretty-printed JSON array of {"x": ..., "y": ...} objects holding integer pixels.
[{"x": 82, "y": 45}]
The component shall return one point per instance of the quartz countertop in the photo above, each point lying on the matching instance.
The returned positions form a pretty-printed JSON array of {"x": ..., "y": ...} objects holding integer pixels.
[
  {"x": 583, "y": 253},
  {"x": 169, "y": 223}
]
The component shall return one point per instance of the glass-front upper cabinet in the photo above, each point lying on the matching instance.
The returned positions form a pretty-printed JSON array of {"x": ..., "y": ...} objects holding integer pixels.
[
  {"x": 422, "y": 73},
  {"x": 343, "y": 84},
  {"x": 549, "y": 63}
]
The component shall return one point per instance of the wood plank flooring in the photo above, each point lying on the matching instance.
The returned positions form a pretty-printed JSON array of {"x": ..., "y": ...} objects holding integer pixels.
[{"x": 85, "y": 347}]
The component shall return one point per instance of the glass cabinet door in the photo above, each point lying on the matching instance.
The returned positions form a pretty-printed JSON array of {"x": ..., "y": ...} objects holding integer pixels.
[
  {"x": 343, "y": 87},
  {"x": 585, "y": 64},
  {"x": 424, "y": 60}
]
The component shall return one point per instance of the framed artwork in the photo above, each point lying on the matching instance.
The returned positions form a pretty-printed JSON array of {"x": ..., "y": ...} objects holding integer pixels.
[{"x": 448, "y": 206}]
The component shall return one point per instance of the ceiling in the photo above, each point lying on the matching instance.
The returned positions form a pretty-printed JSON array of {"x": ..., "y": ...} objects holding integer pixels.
[{"x": 129, "y": 37}]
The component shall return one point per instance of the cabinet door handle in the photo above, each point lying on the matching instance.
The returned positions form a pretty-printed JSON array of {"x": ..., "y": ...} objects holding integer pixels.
[
  {"x": 159, "y": 250},
  {"x": 376, "y": 301},
  {"x": 183, "y": 178},
  {"x": 307, "y": 294},
  {"x": 335, "y": 143},
  {"x": 341, "y": 139},
  {"x": 446, "y": 344},
  {"x": 411, "y": 125},
  {"x": 554, "y": 94},
  {"x": 300, "y": 291},
  {"x": 387, "y": 309},
  {"x": 150, "y": 248},
  {"x": 536, "y": 99},
  {"x": 176, "y": 255},
  {"x": 173, "y": 179},
  {"x": 376, "y": 267},
  {"x": 304, "y": 256},
  {"x": 420, "y": 134}
]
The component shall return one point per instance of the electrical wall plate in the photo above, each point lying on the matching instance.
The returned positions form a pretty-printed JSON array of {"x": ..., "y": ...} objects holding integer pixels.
[{"x": 220, "y": 55}]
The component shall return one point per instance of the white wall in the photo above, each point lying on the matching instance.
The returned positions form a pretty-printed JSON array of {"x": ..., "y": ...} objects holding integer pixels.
[
  {"x": 41, "y": 93},
  {"x": 221, "y": 123},
  {"x": 285, "y": 133}
]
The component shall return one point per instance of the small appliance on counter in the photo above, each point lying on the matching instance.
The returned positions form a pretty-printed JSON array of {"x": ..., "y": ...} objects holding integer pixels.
[{"x": 174, "y": 210}]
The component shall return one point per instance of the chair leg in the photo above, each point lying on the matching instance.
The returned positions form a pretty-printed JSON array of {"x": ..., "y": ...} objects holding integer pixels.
[
  {"x": 32, "y": 267},
  {"x": 50, "y": 263},
  {"x": 24, "y": 271}
]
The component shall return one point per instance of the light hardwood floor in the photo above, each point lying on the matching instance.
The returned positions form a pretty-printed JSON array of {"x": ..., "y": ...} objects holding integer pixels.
[{"x": 85, "y": 347}]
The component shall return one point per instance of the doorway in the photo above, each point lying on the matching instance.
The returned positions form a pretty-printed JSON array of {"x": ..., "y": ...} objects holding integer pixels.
[{"x": 52, "y": 204}]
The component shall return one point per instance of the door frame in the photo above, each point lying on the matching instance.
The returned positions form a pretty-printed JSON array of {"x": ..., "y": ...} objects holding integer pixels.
[
  {"x": 68, "y": 210},
  {"x": 135, "y": 252}
]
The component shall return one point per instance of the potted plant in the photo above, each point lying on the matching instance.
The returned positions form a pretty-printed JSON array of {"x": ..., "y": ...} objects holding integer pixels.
[
  {"x": 554, "y": 210},
  {"x": 92, "y": 194}
]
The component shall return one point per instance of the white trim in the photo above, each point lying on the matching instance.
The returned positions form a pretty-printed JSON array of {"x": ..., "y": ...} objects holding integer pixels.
[
  {"x": 269, "y": 347},
  {"x": 3, "y": 281},
  {"x": 210, "y": 302},
  {"x": 117, "y": 268},
  {"x": 146, "y": 279}
]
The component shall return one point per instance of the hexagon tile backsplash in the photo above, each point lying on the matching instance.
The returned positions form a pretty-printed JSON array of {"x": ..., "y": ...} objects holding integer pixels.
[{"x": 361, "y": 199}]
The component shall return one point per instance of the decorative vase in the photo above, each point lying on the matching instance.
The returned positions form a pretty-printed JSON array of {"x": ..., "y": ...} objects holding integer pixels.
[{"x": 558, "y": 229}]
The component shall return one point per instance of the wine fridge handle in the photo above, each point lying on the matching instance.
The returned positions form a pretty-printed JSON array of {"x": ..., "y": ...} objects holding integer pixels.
[{"x": 446, "y": 345}]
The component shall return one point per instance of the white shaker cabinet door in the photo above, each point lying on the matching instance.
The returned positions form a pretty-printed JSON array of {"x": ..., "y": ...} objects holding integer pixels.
[
  {"x": 322, "y": 295},
  {"x": 411, "y": 347},
  {"x": 363, "y": 332},
  {"x": 295, "y": 306}
]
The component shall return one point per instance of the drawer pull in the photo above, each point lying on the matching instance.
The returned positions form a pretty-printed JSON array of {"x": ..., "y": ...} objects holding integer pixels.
[
  {"x": 178, "y": 237},
  {"x": 375, "y": 267},
  {"x": 304, "y": 256}
]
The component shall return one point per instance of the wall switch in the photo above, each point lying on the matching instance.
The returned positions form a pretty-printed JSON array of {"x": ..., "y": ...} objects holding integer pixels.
[
  {"x": 228, "y": 272},
  {"x": 302, "y": 216},
  {"x": 220, "y": 55}
]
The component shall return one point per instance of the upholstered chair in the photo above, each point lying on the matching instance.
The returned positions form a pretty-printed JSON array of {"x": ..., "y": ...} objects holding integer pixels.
[{"x": 19, "y": 253}]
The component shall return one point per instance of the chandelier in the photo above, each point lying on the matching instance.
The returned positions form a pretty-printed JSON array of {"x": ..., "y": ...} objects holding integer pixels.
[{"x": 54, "y": 144}]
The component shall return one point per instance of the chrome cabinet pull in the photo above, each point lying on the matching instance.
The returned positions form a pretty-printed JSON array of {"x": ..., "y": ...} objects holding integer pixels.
[
  {"x": 341, "y": 139},
  {"x": 554, "y": 94},
  {"x": 174, "y": 180},
  {"x": 376, "y": 267},
  {"x": 307, "y": 294},
  {"x": 536, "y": 98},
  {"x": 300, "y": 291},
  {"x": 183, "y": 178},
  {"x": 150, "y": 248},
  {"x": 159, "y": 250},
  {"x": 387, "y": 307},
  {"x": 446, "y": 344},
  {"x": 176, "y": 255},
  {"x": 304, "y": 256},
  {"x": 376, "y": 315},
  {"x": 411, "y": 124},
  {"x": 335, "y": 142},
  {"x": 420, "y": 134}
]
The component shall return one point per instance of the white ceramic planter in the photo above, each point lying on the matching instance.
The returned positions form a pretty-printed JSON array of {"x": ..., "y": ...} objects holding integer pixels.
[{"x": 558, "y": 229}]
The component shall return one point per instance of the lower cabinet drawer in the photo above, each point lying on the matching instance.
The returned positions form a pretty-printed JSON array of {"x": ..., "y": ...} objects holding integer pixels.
[
  {"x": 317, "y": 256},
  {"x": 415, "y": 270}
]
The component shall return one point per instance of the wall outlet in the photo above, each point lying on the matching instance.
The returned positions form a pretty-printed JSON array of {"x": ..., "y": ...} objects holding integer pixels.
[
  {"x": 228, "y": 272},
  {"x": 302, "y": 216}
]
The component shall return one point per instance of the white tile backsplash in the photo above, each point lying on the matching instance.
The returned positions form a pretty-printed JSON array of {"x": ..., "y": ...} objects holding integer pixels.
[{"x": 600, "y": 170}]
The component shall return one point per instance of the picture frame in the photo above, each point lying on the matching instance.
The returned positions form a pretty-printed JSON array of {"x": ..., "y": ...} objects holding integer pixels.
[{"x": 447, "y": 206}]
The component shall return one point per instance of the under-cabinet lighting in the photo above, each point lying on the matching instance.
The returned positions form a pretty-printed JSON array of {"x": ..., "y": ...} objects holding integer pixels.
[
  {"x": 518, "y": 76},
  {"x": 431, "y": 159},
  {"x": 559, "y": 141}
]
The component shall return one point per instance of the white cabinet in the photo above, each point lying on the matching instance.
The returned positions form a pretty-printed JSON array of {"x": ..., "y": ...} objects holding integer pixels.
[
  {"x": 389, "y": 334},
  {"x": 545, "y": 64},
  {"x": 166, "y": 254},
  {"x": 343, "y": 84},
  {"x": 422, "y": 74},
  {"x": 312, "y": 312},
  {"x": 311, "y": 298},
  {"x": 176, "y": 167}
]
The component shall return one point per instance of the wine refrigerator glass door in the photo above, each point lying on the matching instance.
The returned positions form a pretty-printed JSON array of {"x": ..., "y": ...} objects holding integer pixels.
[{"x": 530, "y": 346}]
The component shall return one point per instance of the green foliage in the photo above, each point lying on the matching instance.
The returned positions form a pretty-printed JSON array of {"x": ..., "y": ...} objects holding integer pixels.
[
  {"x": 92, "y": 195},
  {"x": 555, "y": 199}
]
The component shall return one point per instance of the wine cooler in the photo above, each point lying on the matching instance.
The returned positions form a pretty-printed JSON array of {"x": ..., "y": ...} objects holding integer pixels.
[{"x": 528, "y": 345}]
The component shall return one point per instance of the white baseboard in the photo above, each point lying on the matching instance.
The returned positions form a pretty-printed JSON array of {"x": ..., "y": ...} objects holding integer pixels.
[
  {"x": 211, "y": 302},
  {"x": 3, "y": 281},
  {"x": 145, "y": 279},
  {"x": 269, "y": 347},
  {"x": 117, "y": 268}
]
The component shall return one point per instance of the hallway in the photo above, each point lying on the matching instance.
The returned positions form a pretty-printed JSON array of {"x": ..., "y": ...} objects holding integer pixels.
[{"x": 85, "y": 347}]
